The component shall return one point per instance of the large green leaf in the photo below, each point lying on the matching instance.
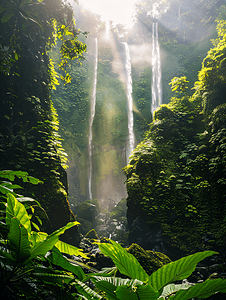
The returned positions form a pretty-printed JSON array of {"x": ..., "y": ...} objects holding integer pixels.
[
  {"x": 108, "y": 288},
  {"x": 20, "y": 174},
  {"x": 7, "y": 17},
  {"x": 58, "y": 259},
  {"x": 27, "y": 200},
  {"x": 41, "y": 248},
  {"x": 116, "y": 281},
  {"x": 201, "y": 290},
  {"x": 177, "y": 270},
  {"x": 37, "y": 238},
  {"x": 69, "y": 249},
  {"x": 54, "y": 278},
  {"x": 16, "y": 209},
  {"x": 5, "y": 189},
  {"x": 63, "y": 229},
  {"x": 18, "y": 241},
  {"x": 8, "y": 186},
  {"x": 86, "y": 291},
  {"x": 110, "y": 284},
  {"x": 136, "y": 292},
  {"x": 125, "y": 262},
  {"x": 173, "y": 288},
  {"x": 6, "y": 258},
  {"x": 42, "y": 243}
]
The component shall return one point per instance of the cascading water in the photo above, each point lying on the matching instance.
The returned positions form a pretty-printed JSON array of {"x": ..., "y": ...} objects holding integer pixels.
[
  {"x": 92, "y": 114},
  {"x": 131, "y": 137},
  {"x": 107, "y": 24},
  {"x": 156, "y": 87}
]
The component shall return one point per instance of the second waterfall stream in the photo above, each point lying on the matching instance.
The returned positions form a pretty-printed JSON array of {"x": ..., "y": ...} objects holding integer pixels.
[
  {"x": 92, "y": 115},
  {"x": 156, "y": 86},
  {"x": 131, "y": 137}
]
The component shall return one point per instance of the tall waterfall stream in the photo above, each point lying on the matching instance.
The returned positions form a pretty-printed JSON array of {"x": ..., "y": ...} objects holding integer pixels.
[
  {"x": 131, "y": 137},
  {"x": 156, "y": 87},
  {"x": 92, "y": 114}
]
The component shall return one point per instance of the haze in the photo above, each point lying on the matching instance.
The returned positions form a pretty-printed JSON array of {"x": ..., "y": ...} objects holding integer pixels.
[{"x": 118, "y": 11}]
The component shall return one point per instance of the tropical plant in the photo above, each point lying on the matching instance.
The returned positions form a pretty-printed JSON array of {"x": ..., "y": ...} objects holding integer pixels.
[
  {"x": 28, "y": 258},
  {"x": 32, "y": 265},
  {"x": 160, "y": 285}
]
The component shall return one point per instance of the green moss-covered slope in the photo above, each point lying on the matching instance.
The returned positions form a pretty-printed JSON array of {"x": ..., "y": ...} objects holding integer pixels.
[
  {"x": 176, "y": 177},
  {"x": 29, "y": 139}
]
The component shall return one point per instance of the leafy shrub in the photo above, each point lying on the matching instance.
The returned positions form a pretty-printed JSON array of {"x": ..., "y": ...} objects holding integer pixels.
[
  {"x": 159, "y": 285},
  {"x": 28, "y": 258}
]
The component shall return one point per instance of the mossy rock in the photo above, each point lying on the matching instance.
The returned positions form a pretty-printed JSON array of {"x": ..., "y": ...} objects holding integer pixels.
[
  {"x": 151, "y": 261},
  {"x": 119, "y": 210},
  {"x": 88, "y": 210},
  {"x": 85, "y": 225}
]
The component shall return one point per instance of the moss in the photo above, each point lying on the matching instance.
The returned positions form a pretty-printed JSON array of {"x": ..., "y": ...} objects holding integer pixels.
[
  {"x": 171, "y": 181},
  {"x": 119, "y": 211},
  {"x": 151, "y": 261}
]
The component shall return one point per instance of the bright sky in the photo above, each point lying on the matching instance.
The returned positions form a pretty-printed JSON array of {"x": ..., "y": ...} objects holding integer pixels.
[{"x": 119, "y": 11}]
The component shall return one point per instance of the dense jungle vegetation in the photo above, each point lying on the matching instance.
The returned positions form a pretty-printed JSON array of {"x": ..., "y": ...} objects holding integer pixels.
[
  {"x": 176, "y": 176},
  {"x": 33, "y": 265},
  {"x": 175, "y": 180},
  {"x": 29, "y": 123}
]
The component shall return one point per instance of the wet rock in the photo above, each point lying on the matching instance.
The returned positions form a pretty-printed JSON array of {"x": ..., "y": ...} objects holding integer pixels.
[
  {"x": 103, "y": 261},
  {"x": 152, "y": 238}
]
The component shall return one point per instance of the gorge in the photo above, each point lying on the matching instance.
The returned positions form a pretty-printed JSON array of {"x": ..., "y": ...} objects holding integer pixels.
[
  {"x": 154, "y": 93},
  {"x": 147, "y": 204},
  {"x": 113, "y": 131}
]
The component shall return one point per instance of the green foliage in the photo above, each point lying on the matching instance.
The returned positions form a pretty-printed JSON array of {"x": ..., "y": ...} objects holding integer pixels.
[
  {"x": 185, "y": 180},
  {"x": 29, "y": 137},
  {"x": 70, "y": 49},
  {"x": 141, "y": 96},
  {"x": 119, "y": 211},
  {"x": 211, "y": 85},
  {"x": 28, "y": 18},
  {"x": 159, "y": 284},
  {"x": 25, "y": 254},
  {"x": 7, "y": 186},
  {"x": 126, "y": 263},
  {"x": 179, "y": 85}
]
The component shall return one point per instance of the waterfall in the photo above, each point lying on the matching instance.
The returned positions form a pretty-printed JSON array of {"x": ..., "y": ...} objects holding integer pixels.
[
  {"x": 107, "y": 34},
  {"x": 92, "y": 114},
  {"x": 156, "y": 87},
  {"x": 131, "y": 137}
]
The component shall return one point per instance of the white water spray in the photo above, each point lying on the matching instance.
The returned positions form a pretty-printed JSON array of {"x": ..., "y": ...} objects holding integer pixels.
[
  {"x": 92, "y": 114},
  {"x": 107, "y": 33},
  {"x": 156, "y": 87},
  {"x": 131, "y": 137}
]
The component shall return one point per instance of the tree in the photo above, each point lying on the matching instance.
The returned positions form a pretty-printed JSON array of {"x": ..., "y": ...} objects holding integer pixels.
[{"x": 28, "y": 125}]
